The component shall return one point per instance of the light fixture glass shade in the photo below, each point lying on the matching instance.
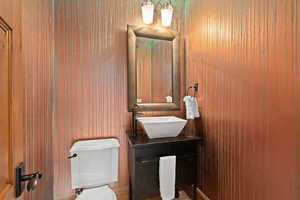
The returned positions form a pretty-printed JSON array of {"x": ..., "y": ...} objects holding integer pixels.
[
  {"x": 166, "y": 15},
  {"x": 147, "y": 12}
]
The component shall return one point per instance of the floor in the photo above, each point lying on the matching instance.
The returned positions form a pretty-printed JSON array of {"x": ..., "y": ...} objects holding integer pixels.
[{"x": 182, "y": 196}]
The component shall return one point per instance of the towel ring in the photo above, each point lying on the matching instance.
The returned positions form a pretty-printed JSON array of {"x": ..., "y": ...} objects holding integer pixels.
[{"x": 195, "y": 87}]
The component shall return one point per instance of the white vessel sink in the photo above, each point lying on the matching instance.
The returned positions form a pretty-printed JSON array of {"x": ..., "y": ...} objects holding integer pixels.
[{"x": 161, "y": 127}]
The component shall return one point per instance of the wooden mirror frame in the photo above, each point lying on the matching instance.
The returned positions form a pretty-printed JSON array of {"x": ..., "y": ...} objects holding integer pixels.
[{"x": 152, "y": 33}]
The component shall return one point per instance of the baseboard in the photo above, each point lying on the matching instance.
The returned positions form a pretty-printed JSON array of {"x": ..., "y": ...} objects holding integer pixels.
[
  {"x": 70, "y": 198},
  {"x": 201, "y": 195},
  {"x": 122, "y": 191}
]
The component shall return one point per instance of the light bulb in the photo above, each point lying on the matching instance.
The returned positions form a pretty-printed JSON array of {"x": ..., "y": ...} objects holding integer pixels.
[
  {"x": 166, "y": 15},
  {"x": 147, "y": 12}
]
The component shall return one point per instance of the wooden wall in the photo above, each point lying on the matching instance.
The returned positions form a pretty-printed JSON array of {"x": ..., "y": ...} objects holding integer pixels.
[
  {"x": 246, "y": 56},
  {"x": 91, "y": 78},
  {"x": 38, "y": 61},
  {"x": 32, "y": 38}
]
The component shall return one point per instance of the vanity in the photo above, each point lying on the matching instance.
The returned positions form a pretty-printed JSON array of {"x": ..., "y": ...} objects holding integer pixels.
[
  {"x": 144, "y": 154},
  {"x": 154, "y": 85}
]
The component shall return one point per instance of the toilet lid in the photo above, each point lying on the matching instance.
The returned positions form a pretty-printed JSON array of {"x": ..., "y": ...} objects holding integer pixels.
[{"x": 99, "y": 193}]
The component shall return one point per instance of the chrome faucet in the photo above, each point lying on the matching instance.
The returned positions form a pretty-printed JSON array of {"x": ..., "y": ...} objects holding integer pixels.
[{"x": 135, "y": 114}]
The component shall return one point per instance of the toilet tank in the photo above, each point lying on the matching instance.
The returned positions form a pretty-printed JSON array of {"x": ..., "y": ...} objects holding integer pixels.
[{"x": 95, "y": 163}]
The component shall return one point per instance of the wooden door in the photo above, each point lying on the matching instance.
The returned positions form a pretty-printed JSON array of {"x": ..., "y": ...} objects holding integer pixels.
[
  {"x": 6, "y": 161},
  {"x": 11, "y": 97}
]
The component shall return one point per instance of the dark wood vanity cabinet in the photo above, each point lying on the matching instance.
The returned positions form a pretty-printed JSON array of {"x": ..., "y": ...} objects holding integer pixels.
[{"x": 144, "y": 154}]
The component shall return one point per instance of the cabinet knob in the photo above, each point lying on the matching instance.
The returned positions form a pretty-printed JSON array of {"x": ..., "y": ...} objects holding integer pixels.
[{"x": 73, "y": 156}]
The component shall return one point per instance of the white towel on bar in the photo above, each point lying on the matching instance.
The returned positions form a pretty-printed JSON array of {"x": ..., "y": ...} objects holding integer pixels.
[
  {"x": 195, "y": 109},
  {"x": 191, "y": 107},
  {"x": 167, "y": 177}
]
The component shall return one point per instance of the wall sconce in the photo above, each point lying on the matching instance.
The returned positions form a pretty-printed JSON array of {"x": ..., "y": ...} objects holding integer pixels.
[
  {"x": 166, "y": 14},
  {"x": 148, "y": 11},
  {"x": 166, "y": 10}
]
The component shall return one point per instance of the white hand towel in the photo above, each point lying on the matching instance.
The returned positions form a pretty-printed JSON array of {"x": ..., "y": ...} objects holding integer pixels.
[
  {"x": 195, "y": 108},
  {"x": 167, "y": 177},
  {"x": 189, "y": 107}
]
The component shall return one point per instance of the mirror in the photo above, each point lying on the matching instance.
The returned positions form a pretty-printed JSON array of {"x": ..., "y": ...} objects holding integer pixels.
[{"x": 153, "y": 69}]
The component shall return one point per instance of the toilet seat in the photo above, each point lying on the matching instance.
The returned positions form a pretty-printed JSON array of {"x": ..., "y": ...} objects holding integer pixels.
[{"x": 99, "y": 193}]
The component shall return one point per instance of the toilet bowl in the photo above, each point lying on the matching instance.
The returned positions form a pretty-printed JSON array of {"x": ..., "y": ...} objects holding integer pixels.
[
  {"x": 100, "y": 193},
  {"x": 94, "y": 165}
]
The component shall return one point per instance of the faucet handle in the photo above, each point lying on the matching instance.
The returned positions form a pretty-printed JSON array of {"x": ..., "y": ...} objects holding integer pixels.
[
  {"x": 139, "y": 114},
  {"x": 135, "y": 106}
]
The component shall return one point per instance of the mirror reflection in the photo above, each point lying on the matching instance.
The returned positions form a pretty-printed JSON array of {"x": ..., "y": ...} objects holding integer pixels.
[{"x": 154, "y": 59}]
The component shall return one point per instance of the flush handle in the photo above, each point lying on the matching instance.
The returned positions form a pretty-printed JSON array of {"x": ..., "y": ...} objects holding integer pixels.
[
  {"x": 73, "y": 156},
  {"x": 32, "y": 180}
]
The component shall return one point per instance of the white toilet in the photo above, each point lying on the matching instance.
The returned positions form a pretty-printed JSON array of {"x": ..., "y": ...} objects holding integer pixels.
[{"x": 94, "y": 165}]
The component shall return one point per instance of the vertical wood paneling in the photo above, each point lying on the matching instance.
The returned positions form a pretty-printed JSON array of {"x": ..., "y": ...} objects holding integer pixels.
[
  {"x": 91, "y": 78},
  {"x": 38, "y": 60},
  {"x": 245, "y": 55}
]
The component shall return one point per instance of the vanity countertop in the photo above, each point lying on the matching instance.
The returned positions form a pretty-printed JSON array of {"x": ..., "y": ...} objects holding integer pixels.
[{"x": 142, "y": 139}]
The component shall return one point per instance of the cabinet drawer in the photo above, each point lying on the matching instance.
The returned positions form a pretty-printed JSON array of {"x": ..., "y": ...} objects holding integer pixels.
[{"x": 165, "y": 149}]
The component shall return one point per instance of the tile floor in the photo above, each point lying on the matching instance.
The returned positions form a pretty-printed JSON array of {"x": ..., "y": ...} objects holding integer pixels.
[{"x": 182, "y": 196}]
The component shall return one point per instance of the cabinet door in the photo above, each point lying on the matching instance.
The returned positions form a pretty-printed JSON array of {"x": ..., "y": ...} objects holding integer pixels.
[
  {"x": 147, "y": 177},
  {"x": 6, "y": 137},
  {"x": 186, "y": 172}
]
